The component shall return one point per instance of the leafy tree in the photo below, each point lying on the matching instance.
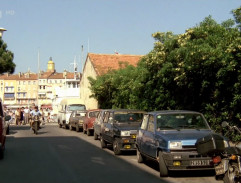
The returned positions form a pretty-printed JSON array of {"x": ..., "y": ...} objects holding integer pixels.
[{"x": 6, "y": 59}]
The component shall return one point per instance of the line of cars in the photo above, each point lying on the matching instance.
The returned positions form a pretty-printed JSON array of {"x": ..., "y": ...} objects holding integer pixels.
[{"x": 167, "y": 137}]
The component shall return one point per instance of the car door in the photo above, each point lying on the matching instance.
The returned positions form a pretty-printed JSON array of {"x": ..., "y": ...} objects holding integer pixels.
[
  {"x": 149, "y": 143},
  {"x": 140, "y": 140},
  {"x": 108, "y": 127}
]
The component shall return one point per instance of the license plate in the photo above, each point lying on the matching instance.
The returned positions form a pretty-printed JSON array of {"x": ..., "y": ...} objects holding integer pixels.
[
  {"x": 200, "y": 162},
  {"x": 219, "y": 169}
]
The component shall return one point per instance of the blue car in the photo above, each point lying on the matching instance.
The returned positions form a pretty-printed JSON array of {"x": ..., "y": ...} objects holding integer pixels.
[{"x": 169, "y": 137}]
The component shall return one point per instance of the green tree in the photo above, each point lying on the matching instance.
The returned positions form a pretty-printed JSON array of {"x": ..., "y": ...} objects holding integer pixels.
[{"x": 6, "y": 59}]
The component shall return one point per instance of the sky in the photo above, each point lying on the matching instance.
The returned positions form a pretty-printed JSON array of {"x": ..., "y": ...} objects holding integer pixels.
[{"x": 40, "y": 29}]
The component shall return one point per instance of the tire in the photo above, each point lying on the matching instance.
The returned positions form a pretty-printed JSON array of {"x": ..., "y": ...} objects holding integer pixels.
[
  {"x": 1, "y": 152},
  {"x": 36, "y": 128},
  {"x": 162, "y": 166},
  {"x": 95, "y": 136},
  {"x": 140, "y": 157},
  {"x": 229, "y": 176},
  {"x": 77, "y": 128},
  {"x": 102, "y": 143},
  {"x": 7, "y": 132},
  {"x": 116, "y": 148}
]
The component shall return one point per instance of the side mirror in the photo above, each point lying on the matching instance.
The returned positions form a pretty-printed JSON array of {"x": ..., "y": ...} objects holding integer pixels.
[
  {"x": 7, "y": 118},
  {"x": 225, "y": 124}
]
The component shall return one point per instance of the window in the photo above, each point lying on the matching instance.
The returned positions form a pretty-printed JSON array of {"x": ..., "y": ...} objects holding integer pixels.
[
  {"x": 106, "y": 117},
  {"x": 144, "y": 122},
  {"x": 150, "y": 126}
]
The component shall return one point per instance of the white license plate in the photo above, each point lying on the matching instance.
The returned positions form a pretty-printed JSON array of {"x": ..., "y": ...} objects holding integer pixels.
[{"x": 200, "y": 162}]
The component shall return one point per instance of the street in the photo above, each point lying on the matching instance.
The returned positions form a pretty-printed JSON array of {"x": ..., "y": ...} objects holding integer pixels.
[{"x": 64, "y": 156}]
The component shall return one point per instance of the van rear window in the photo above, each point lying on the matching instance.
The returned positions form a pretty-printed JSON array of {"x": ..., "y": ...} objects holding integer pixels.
[{"x": 75, "y": 107}]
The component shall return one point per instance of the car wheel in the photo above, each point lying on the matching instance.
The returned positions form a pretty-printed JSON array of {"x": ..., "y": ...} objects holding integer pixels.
[
  {"x": 116, "y": 148},
  {"x": 70, "y": 127},
  {"x": 77, "y": 128},
  {"x": 95, "y": 136},
  {"x": 162, "y": 166},
  {"x": 102, "y": 142},
  {"x": 1, "y": 152},
  {"x": 7, "y": 132},
  {"x": 140, "y": 157}
]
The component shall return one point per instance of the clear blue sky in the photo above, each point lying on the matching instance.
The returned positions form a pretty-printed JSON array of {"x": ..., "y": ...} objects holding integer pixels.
[{"x": 58, "y": 28}]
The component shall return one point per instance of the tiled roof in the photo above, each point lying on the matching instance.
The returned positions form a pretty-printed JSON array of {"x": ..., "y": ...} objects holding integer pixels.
[
  {"x": 105, "y": 62},
  {"x": 70, "y": 75},
  {"x": 22, "y": 76}
]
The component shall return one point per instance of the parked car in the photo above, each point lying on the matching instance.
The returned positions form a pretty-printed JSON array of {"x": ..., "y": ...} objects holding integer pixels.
[
  {"x": 120, "y": 128},
  {"x": 3, "y": 128},
  {"x": 169, "y": 138},
  {"x": 98, "y": 123},
  {"x": 66, "y": 107},
  {"x": 76, "y": 120},
  {"x": 88, "y": 125}
]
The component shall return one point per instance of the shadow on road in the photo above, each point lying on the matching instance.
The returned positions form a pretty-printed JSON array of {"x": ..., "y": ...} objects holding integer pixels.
[{"x": 64, "y": 159}]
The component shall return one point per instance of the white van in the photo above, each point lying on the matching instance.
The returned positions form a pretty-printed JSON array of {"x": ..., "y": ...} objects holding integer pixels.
[{"x": 65, "y": 109}]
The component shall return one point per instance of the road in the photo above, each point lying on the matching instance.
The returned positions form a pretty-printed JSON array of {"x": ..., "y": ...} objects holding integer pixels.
[{"x": 58, "y": 155}]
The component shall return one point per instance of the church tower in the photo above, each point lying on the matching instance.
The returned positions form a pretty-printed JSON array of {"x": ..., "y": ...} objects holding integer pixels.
[{"x": 51, "y": 65}]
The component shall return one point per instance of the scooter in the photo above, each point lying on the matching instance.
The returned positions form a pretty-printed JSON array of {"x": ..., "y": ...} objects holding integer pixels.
[
  {"x": 226, "y": 159},
  {"x": 35, "y": 124}
]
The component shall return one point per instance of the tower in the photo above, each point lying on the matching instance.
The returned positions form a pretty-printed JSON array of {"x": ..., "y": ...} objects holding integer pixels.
[{"x": 51, "y": 65}]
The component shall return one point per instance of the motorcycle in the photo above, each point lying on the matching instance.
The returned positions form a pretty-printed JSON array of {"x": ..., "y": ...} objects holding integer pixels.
[
  {"x": 226, "y": 159},
  {"x": 35, "y": 124}
]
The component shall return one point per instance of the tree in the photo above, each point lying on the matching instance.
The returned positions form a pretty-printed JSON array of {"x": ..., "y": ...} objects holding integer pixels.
[{"x": 6, "y": 59}]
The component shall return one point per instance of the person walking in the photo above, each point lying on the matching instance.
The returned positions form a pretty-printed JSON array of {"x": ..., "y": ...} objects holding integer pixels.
[
  {"x": 21, "y": 115},
  {"x": 17, "y": 116},
  {"x": 26, "y": 115}
]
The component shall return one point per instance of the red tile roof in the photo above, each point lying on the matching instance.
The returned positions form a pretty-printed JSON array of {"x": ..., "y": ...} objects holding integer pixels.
[
  {"x": 105, "y": 62},
  {"x": 23, "y": 76}
]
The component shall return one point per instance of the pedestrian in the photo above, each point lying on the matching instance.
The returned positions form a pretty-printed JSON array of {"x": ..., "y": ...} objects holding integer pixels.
[
  {"x": 21, "y": 115},
  {"x": 26, "y": 115},
  {"x": 42, "y": 114},
  {"x": 17, "y": 116}
]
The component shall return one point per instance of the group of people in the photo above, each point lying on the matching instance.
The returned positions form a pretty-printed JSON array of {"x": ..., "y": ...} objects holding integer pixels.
[{"x": 22, "y": 116}]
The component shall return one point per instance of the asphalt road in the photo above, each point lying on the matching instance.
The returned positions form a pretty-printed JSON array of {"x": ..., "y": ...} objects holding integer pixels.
[{"x": 58, "y": 155}]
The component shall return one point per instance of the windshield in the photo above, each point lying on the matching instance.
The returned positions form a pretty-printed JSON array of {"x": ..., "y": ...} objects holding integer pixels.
[
  {"x": 76, "y": 107},
  {"x": 180, "y": 121},
  {"x": 126, "y": 117}
]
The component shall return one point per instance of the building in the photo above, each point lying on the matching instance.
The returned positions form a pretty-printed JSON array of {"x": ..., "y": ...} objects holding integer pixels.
[
  {"x": 43, "y": 89},
  {"x": 97, "y": 65},
  {"x": 19, "y": 89}
]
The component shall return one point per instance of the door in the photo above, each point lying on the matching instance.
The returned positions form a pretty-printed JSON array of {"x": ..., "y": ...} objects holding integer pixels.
[{"x": 149, "y": 142}]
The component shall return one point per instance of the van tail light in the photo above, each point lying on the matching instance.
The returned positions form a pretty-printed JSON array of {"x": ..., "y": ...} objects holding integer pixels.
[{"x": 217, "y": 159}]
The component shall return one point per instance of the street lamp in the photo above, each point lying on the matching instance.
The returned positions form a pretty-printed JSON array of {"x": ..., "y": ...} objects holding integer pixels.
[{"x": 1, "y": 31}]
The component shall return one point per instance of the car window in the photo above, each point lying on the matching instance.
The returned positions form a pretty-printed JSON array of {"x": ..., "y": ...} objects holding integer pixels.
[
  {"x": 144, "y": 122},
  {"x": 106, "y": 117},
  {"x": 150, "y": 126},
  {"x": 127, "y": 117},
  {"x": 110, "y": 120},
  {"x": 182, "y": 121}
]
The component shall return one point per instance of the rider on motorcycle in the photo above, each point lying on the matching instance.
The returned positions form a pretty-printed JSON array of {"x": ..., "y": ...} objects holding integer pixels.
[{"x": 33, "y": 113}]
